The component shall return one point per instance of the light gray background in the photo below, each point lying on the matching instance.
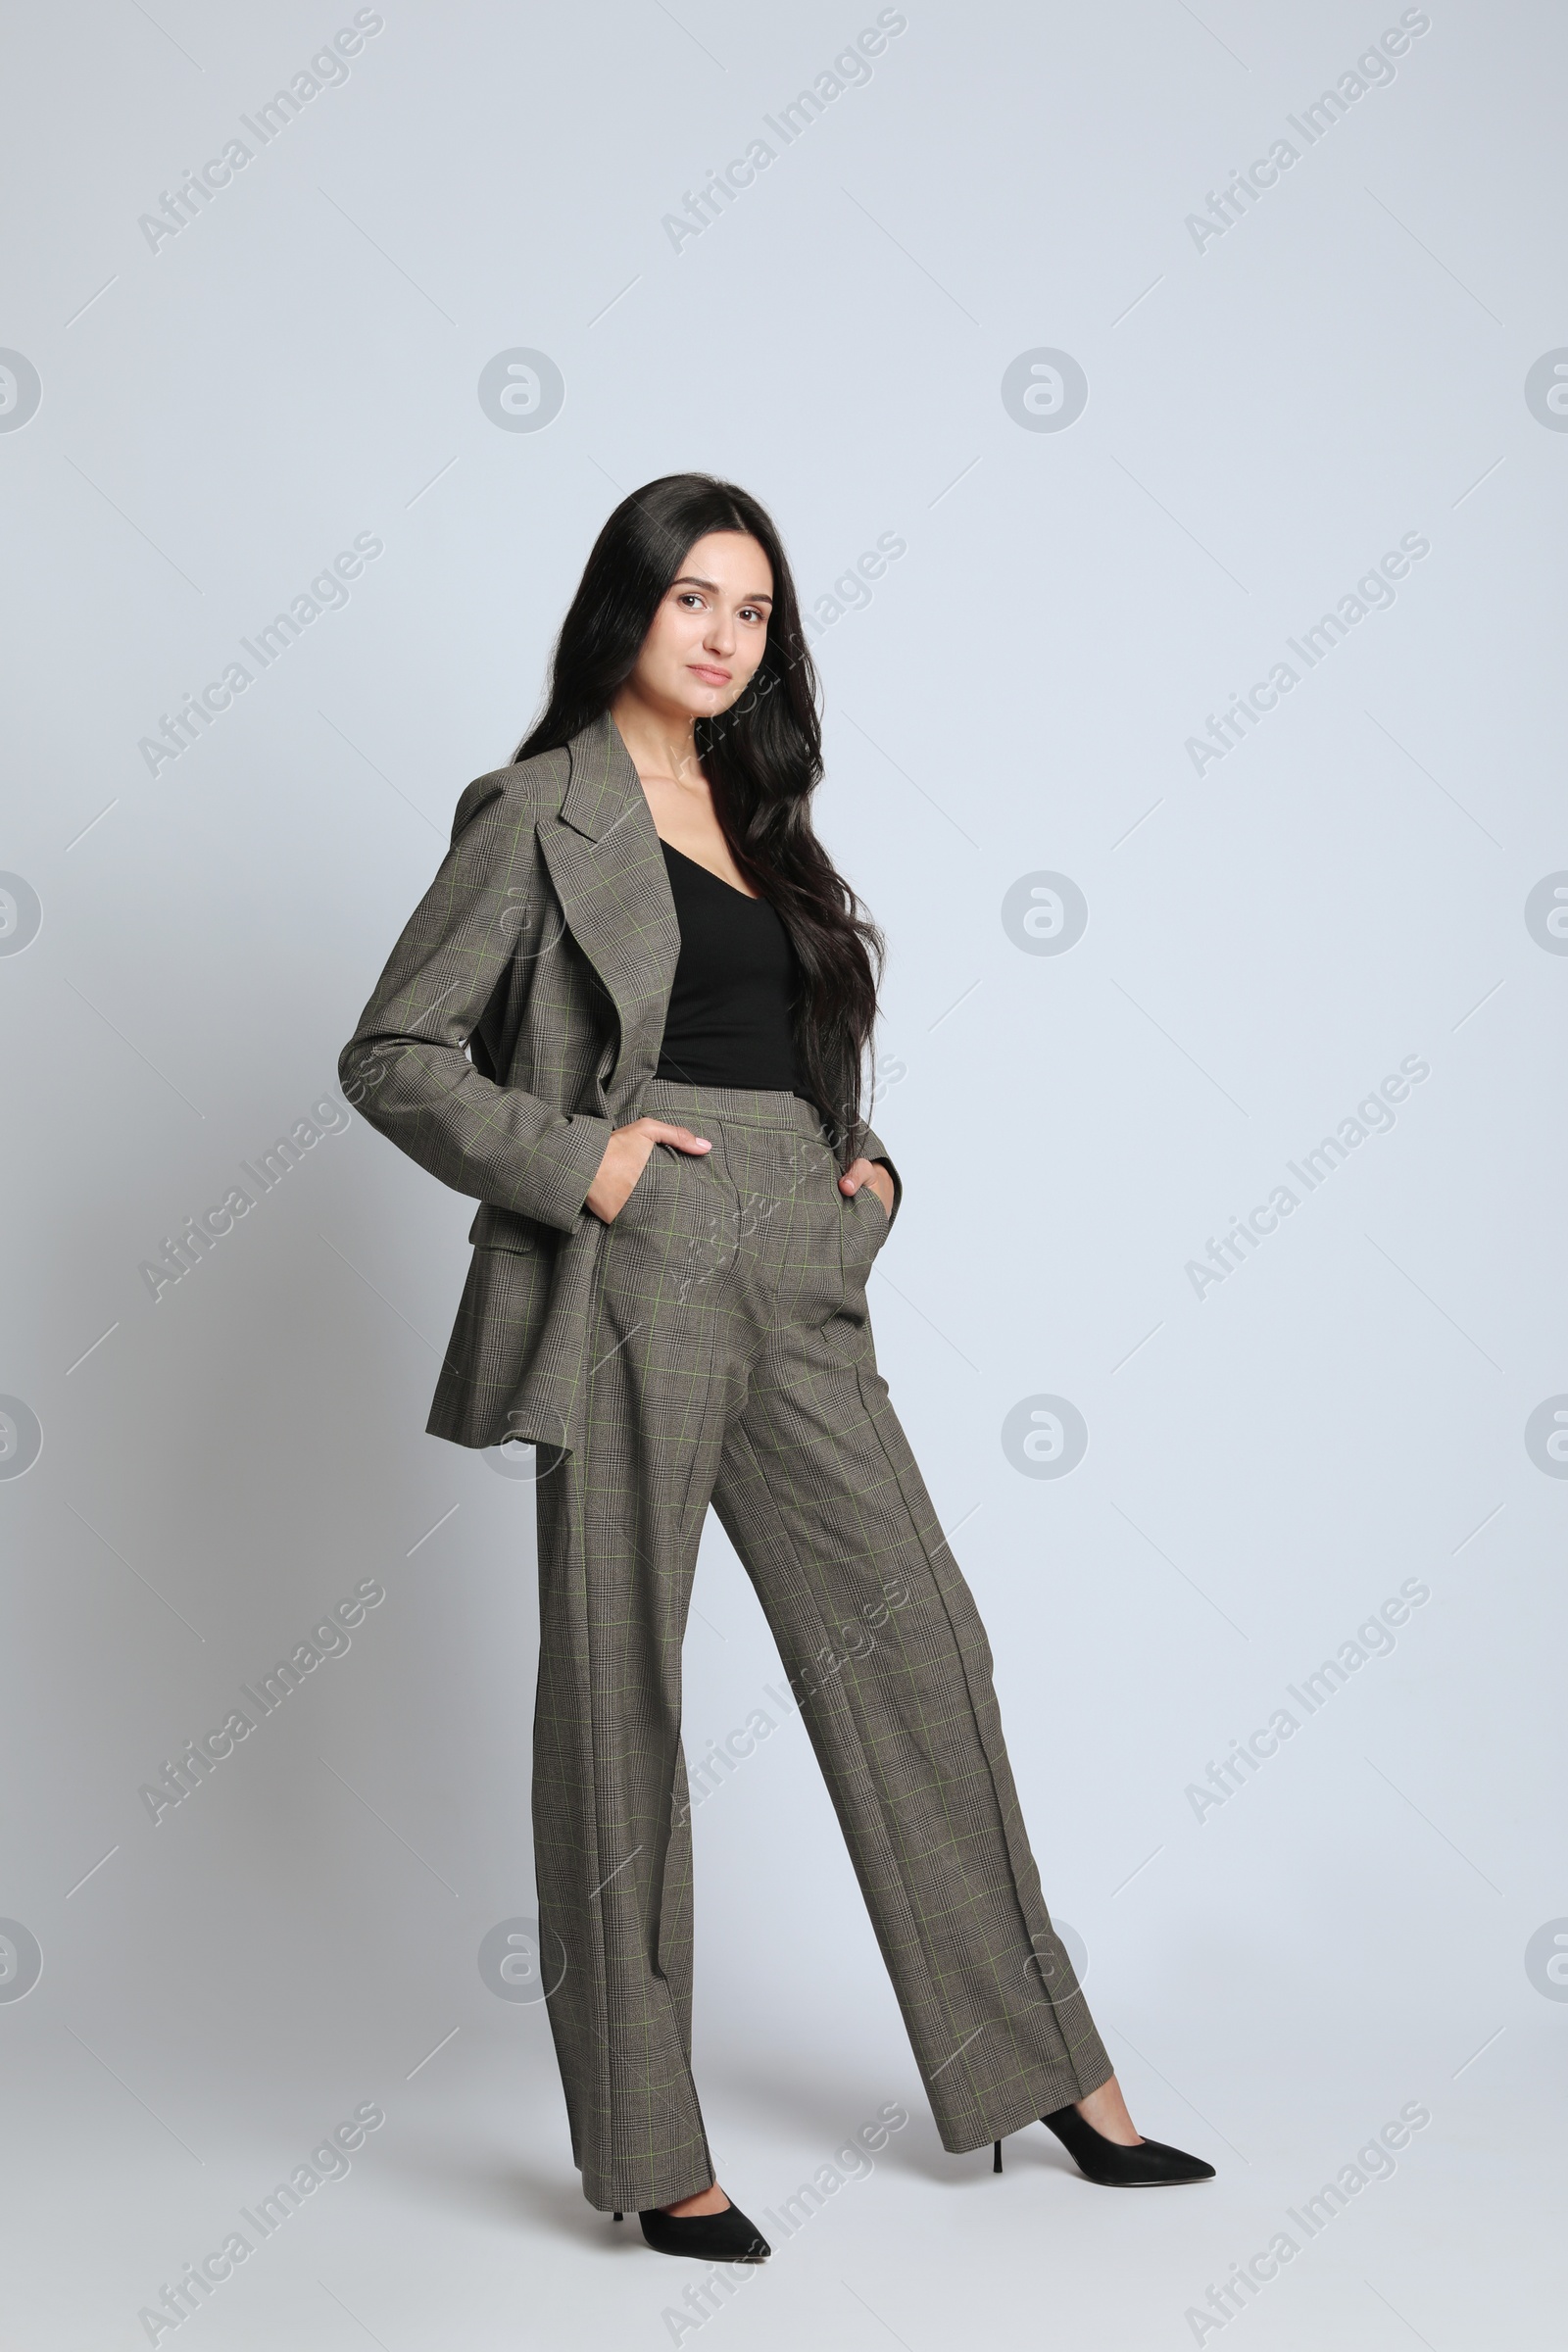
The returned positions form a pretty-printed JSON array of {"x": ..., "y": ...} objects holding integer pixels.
[{"x": 1266, "y": 417}]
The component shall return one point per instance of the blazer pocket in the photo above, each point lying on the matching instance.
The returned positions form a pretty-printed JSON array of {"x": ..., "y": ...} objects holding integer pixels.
[{"x": 496, "y": 1228}]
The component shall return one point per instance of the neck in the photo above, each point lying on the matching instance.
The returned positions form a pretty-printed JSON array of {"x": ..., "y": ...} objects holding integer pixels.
[{"x": 661, "y": 742}]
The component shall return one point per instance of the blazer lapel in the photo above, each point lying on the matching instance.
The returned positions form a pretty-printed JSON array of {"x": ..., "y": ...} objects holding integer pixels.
[{"x": 608, "y": 867}]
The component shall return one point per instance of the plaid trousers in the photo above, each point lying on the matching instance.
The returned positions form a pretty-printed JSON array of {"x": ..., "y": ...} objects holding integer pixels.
[{"x": 732, "y": 1363}]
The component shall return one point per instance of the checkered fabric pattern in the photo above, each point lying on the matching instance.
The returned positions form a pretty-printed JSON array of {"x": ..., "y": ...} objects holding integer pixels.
[
  {"x": 518, "y": 1022},
  {"x": 712, "y": 1344},
  {"x": 730, "y": 1360}
]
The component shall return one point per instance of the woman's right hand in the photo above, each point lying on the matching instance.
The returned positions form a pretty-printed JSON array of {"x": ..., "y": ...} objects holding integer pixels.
[{"x": 626, "y": 1154}]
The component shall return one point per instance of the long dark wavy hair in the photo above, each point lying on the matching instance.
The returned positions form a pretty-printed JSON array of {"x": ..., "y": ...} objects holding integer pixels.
[{"x": 762, "y": 758}]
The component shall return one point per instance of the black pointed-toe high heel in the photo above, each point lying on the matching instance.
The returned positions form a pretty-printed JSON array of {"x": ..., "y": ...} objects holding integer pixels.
[
  {"x": 726, "y": 2237},
  {"x": 1150, "y": 2165}
]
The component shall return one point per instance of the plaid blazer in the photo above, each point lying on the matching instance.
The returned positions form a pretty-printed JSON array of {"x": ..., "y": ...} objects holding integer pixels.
[{"x": 517, "y": 1022}]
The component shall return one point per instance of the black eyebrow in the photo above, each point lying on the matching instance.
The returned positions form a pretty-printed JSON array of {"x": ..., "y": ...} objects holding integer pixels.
[{"x": 690, "y": 579}]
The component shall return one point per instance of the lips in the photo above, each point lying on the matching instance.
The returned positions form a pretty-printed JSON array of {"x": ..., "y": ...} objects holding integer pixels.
[{"x": 709, "y": 674}]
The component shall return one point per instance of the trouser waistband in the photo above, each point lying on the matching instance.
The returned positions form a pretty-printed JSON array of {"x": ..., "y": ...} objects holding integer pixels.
[{"x": 684, "y": 1104}]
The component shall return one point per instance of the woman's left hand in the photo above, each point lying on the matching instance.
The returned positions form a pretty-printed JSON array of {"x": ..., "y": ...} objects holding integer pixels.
[{"x": 871, "y": 1172}]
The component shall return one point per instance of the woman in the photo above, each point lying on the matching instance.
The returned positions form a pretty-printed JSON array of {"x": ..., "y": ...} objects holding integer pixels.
[{"x": 630, "y": 1018}]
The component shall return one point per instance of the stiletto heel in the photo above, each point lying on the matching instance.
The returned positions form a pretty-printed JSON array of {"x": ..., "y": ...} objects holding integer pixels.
[
  {"x": 996, "y": 2155},
  {"x": 1105, "y": 2162}
]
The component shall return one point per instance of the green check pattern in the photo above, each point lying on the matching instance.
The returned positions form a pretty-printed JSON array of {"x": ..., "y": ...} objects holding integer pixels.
[
  {"x": 711, "y": 1346},
  {"x": 731, "y": 1363},
  {"x": 517, "y": 1022}
]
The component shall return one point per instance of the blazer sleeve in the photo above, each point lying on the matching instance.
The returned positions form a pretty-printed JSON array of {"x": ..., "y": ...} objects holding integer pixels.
[{"x": 405, "y": 1067}]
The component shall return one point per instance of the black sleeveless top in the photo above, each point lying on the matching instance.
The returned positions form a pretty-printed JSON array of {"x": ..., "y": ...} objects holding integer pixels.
[{"x": 729, "y": 1017}]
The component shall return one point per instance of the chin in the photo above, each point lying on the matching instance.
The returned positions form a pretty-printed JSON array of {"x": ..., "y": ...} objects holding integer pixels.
[{"x": 706, "y": 701}]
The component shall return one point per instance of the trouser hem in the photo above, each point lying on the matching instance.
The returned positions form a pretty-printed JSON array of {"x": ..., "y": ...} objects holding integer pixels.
[
  {"x": 1050, "y": 2093},
  {"x": 640, "y": 2197}
]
